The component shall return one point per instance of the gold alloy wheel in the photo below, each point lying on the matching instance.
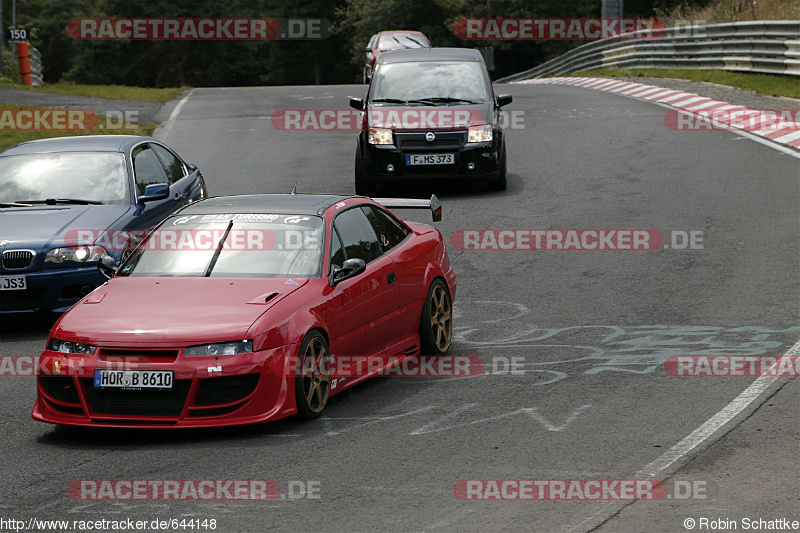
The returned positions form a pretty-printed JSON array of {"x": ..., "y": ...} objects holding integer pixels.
[
  {"x": 316, "y": 383},
  {"x": 441, "y": 318}
]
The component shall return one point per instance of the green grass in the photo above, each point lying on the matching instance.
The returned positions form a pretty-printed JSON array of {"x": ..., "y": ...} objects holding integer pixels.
[
  {"x": 104, "y": 125},
  {"x": 118, "y": 92},
  {"x": 766, "y": 84}
]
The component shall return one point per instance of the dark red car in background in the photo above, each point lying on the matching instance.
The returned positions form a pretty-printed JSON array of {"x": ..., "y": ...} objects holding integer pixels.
[{"x": 391, "y": 40}]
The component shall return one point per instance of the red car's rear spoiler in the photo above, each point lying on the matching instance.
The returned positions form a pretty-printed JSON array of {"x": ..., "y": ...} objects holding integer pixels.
[{"x": 413, "y": 203}]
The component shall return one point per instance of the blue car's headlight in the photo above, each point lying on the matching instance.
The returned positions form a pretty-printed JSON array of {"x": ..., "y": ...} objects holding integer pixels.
[
  {"x": 79, "y": 254},
  {"x": 58, "y": 345},
  {"x": 223, "y": 348}
]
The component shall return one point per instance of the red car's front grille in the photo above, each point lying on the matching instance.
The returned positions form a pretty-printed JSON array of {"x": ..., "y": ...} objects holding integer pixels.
[
  {"x": 222, "y": 390},
  {"x": 137, "y": 402},
  {"x": 61, "y": 388},
  {"x": 137, "y": 355}
]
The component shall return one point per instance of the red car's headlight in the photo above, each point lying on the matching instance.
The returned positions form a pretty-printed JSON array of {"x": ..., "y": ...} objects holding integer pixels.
[
  {"x": 58, "y": 345},
  {"x": 222, "y": 348}
]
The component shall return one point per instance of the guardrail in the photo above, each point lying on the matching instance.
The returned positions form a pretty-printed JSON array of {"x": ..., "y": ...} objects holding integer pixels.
[
  {"x": 768, "y": 47},
  {"x": 36, "y": 67}
]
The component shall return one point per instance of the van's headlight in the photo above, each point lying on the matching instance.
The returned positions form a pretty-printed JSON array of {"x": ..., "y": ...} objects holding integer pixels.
[
  {"x": 480, "y": 134},
  {"x": 80, "y": 254},
  {"x": 223, "y": 348},
  {"x": 380, "y": 136}
]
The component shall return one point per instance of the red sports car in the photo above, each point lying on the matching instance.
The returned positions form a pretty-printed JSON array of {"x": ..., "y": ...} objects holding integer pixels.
[
  {"x": 245, "y": 309},
  {"x": 390, "y": 40}
]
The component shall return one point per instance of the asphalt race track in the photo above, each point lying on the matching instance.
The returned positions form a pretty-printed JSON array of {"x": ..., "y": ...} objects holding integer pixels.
[{"x": 589, "y": 331}]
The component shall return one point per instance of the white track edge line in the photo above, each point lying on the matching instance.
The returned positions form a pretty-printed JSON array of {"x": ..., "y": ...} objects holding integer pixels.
[
  {"x": 703, "y": 432},
  {"x": 167, "y": 127}
]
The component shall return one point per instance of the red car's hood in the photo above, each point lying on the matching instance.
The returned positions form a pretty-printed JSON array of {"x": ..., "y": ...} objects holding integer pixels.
[{"x": 171, "y": 311}]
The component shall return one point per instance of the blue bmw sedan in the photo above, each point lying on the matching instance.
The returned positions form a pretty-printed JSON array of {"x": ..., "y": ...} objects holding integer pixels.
[{"x": 67, "y": 202}]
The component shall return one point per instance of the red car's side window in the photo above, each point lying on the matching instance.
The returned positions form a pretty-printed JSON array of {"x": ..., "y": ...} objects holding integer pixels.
[
  {"x": 389, "y": 230},
  {"x": 358, "y": 238}
]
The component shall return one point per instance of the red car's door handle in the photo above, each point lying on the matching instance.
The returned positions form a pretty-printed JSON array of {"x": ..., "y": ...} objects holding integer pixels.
[{"x": 391, "y": 278}]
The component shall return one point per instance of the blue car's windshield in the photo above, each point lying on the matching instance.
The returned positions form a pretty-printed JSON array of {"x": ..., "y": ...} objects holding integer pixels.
[
  {"x": 255, "y": 246},
  {"x": 98, "y": 177}
]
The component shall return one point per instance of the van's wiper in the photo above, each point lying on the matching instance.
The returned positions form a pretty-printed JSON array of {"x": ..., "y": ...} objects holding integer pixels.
[
  {"x": 214, "y": 257},
  {"x": 14, "y": 204},
  {"x": 389, "y": 101},
  {"x": 446, "y": 100},
  {"x": 423, "y": 101},
  {"x": 54, "y": 201},
  {"x": 398, "y": 101}
]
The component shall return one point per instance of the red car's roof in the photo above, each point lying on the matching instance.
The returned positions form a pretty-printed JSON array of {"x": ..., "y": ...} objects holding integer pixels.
[{"x": 291, "y": 204}]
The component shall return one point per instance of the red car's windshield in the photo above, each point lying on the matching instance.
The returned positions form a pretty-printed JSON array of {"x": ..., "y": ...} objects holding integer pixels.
[{"x": 254, "y": 245}]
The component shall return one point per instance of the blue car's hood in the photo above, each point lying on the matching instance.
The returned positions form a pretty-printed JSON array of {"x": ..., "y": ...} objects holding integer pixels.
[{"x": 45, "y": 227}]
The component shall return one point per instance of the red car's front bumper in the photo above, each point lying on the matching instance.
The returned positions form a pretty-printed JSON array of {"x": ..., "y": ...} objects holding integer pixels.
[{"x": 207, "y": 391}]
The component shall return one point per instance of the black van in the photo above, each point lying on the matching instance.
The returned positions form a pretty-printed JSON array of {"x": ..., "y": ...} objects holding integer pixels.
[{"x": 430, "y": 113}]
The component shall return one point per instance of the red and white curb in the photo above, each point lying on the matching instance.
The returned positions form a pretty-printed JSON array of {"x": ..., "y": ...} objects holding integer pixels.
[{"x": 783, "y": 132}]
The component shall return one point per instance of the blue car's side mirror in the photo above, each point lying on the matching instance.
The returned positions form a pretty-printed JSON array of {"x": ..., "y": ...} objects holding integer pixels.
[
  {"x": 156, "y": 191},
  {"x": 107, "y": 266}
]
